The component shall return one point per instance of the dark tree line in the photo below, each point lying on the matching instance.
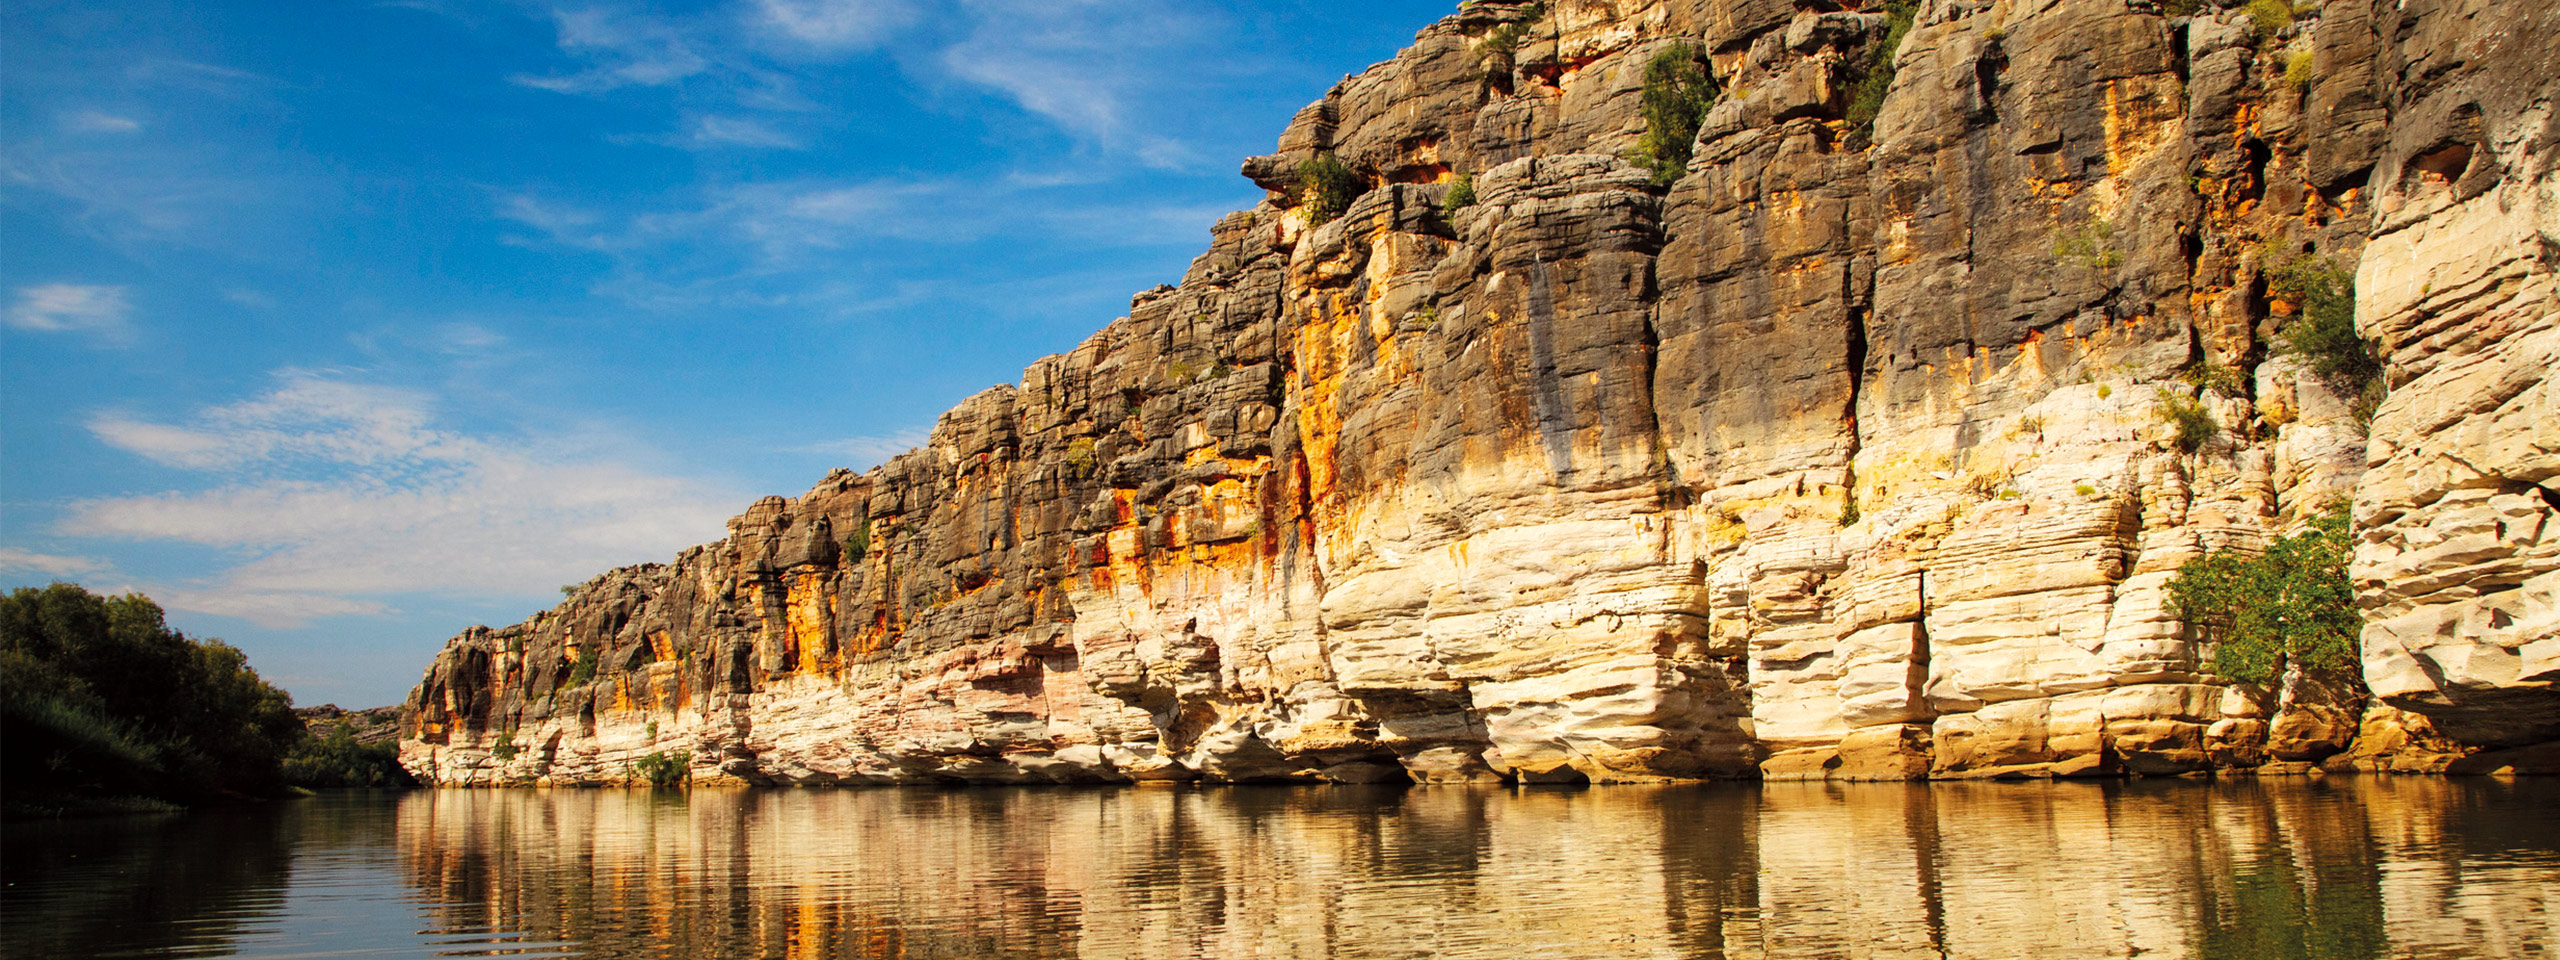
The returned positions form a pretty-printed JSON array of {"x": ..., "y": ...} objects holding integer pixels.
[{"x": 104, "y": 707}]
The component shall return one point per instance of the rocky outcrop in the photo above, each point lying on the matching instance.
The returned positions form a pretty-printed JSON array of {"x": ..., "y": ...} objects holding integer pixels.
[{"x": 1841, "y": 455}]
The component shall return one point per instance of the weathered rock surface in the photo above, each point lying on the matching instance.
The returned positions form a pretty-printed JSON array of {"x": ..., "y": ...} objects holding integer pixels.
[{"x": 1841, "y": 456}]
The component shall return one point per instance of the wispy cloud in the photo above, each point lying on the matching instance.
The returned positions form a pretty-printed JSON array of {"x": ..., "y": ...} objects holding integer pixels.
[
  {"x": 14, "y": 560},
  {"x": 93, "y": 121},
  {"x": 336, "y": 494},
  {"x": 1081, "y": 64},
  {"x": 864, "y": 453},
  {"x": 721, "y": 131},
  {"x": 620, "y": 50},
  {"x": 835, "y": 24},
  {"x": 99, "y": 312}
]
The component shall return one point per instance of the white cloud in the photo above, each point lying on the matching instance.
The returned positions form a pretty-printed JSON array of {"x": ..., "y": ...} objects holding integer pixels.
[
  {"x": 98, "y": 311},
  {"x": 620, "y": 51},
  {"x": 1081, "y": 64},
  {"x": 93, "y": 121},
  {"x": 836, "y": 24},
  {"x": 717, "y": 131},
  {"x": 14, "y": 560},
  {"x": 864, "y": 453},
  {"x": 335, "y": 494}
]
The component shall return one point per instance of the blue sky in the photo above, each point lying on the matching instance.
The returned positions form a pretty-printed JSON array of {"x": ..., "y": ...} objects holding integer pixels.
[{"x": 340, "y": 327}]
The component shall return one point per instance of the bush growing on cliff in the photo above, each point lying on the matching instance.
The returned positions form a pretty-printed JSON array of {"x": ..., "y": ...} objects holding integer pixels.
[
  {"x": 1677, "y": 93},
  {"x": 1866, "y": 97},
  {"x": 2292, "y": 606},
  {"x": 1326, "y": 187},
  {"x": 660, "y": 769},
  {"x": 2194, "y": 421},
  {"x": 101, "y": 702},
  {"x": 858, "y": 543},
  {"x": 1461, "y": 195},
  {"x": 2323, "y": 330}
]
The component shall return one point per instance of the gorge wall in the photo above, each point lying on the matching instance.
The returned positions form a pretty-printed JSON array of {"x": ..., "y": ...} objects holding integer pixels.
[{"x": 1842, "y": 455}]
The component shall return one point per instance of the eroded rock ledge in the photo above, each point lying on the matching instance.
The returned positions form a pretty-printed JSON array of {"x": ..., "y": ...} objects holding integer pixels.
[{"x": 1842, "y": 456}]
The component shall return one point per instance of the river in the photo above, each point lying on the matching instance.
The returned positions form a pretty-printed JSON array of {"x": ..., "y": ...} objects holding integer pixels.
[{"x": 2349, "y": 867}]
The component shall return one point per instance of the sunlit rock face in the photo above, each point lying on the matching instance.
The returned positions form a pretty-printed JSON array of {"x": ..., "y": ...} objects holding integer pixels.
[{"x": 1842, "y": 455}]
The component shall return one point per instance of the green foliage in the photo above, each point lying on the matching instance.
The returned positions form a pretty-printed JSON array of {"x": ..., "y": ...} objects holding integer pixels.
[
  {"x": 2267, "y": 17},
  {"x": 2298, "y": 69},
  {"x": 337, "y": 760},
  {"x": 2193, "y": 419},
  {"x": 1677, "y": 93},
  {"x": 2293, "y": 605},
  {"x": 2323, "y": 332},
  {"x": 2208, "y": 375},
  {"x": 660, "y": 769},
  {"x": 1500, "y": 45},
  {"x": 2084, "y": 489},
  {"x": 857, "y": 544},
  {"x": 584, "y": 672},
  {"x": 2092, "y": 245},
  {"x": 100, "y": 700},
  {"x": 1326, "y": 187},
  {"x": 1849, "y": 512},
  {"x": 1461, "y": 195},
  {"x": 505, "y": 748},
  {"x": 1866, "y": 96},
  {"x": 2180, "y": 8}
]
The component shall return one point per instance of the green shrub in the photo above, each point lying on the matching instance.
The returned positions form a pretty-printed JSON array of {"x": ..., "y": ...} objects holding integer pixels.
[
  {"x": 660, "y": 769},
  {"x": 1326, "y": 187},
  {"x": 2293, "y": 605},
  {"x": 2207, "y": 375},
  {"x": 2267, "y": 17},
  {"x": 1461, "y": 195},
  {"x": 2193, "y": 419},
  {"x": 857, "y": 544},
  {"x": 337, "y": 760},
  {"x": 1677, "y": 93},
  {"x": 2298, "y": 69},
  {"x": 2323, "y": 331},
  {"x": 505, "y": 749},
  {"x": 2180, "y": 8},
  {"x": 2092, "y": 244},
  {"x": 1866, "y": 96},
  {"x": 1500, "y": 45},
  {"x": 583, "y": 672}
]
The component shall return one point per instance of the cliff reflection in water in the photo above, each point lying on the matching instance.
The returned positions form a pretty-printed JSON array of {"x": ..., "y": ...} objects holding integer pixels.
[{"x": 2352, "y": 868}]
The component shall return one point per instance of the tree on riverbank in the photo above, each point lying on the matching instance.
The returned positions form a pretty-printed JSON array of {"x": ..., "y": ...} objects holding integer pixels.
[
  {"x": 2291, "y": 606},
  {"x": 103, "y": 707}
]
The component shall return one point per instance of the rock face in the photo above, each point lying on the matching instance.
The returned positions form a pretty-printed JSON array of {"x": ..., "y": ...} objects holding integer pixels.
[{"x": 1841, "y": 455}]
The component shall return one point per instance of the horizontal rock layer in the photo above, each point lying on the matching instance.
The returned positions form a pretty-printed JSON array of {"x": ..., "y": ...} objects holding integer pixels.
[{"x": 1841, "y": 455}]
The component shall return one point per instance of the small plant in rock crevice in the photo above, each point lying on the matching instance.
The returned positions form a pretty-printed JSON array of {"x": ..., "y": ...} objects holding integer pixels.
[
  {"x": 1866, "y": 96},
  {"x": 2323, "y": 331},
  {"x": 2091, "y": 245},
  {"x": 1326, "y": 186},
  {"x": 1461, "y": 195},
  {"x": 2193, "y": 420},
  {"x": 1677, "y": 92}
]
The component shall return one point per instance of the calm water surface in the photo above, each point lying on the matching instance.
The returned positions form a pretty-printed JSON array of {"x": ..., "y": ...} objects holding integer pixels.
[{"x": 2344, "y": 868}]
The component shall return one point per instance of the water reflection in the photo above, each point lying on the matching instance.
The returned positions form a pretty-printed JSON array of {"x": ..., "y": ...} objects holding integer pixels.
[{"x": 2337, "y": 869}]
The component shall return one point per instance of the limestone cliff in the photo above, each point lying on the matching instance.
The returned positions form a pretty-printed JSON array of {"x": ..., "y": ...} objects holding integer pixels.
[{"x": 1841, "y": 455}]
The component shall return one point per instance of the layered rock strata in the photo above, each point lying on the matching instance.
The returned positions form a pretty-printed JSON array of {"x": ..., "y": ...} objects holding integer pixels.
[{"x": 1843, "y": 454}]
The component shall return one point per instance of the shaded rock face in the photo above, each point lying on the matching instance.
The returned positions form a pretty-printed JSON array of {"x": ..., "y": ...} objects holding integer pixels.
[{"x": 1843, "y": 455}]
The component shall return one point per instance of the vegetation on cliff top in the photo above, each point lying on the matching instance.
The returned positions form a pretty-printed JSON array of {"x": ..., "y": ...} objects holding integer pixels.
[{"x": 2291, "y": 606}]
